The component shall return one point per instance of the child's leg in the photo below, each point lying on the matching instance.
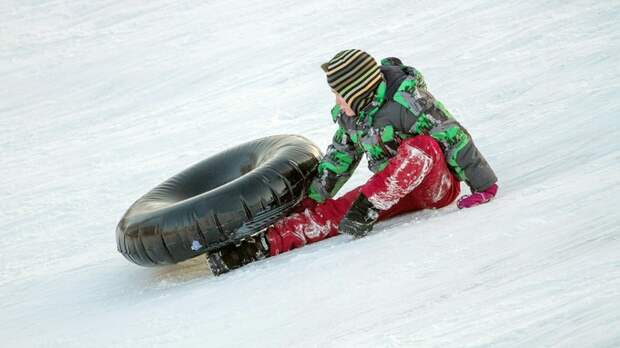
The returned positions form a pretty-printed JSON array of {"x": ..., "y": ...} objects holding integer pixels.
[
  {"x": 438, "y": 189},
  {"x": 416, "y": 178}
]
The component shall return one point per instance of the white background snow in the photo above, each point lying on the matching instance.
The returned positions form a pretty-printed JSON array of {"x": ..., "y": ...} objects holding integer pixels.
[{"x": 102, "y": 100}]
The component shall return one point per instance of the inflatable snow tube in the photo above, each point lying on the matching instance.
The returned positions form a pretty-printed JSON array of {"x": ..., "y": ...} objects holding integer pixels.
[{"x": 219, "y": 201}]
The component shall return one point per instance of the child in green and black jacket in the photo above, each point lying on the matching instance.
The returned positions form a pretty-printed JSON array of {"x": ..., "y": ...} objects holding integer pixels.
[
  {"x": 401, "y": 108},
  {"x": 417, "y": 151}
]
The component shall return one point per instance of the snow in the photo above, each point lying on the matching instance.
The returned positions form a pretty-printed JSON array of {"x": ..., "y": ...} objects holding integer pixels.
[{"x": 102, "y": 100}]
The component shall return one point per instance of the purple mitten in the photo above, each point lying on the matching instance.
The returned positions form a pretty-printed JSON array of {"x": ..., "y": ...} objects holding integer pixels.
[{"x": 477, "y": 198}]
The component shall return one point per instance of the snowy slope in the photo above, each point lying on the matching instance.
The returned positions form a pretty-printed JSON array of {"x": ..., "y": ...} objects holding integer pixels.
[{"x": 102, "y": 100}]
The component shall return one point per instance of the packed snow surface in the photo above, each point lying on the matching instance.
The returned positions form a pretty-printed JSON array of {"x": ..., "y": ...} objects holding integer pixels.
[{"x": 102, "y": 100}]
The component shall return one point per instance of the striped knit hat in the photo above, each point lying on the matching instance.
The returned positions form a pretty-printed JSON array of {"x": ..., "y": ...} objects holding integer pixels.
[{"x": 355, "y": 75}]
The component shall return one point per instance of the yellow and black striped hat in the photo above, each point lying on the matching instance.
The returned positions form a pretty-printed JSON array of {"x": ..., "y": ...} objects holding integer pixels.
[{"x": 355, "y": 75}]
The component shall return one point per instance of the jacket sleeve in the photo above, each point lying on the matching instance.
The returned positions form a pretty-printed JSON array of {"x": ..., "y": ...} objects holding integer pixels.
[
  {"x": 462, "y": 155},
  {"x": 336, "y": 167},
  {"x": 432, "y": 118}
]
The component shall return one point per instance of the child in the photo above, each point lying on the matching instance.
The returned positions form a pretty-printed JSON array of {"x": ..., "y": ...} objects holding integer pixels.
[{"x": 417, "y": 151}]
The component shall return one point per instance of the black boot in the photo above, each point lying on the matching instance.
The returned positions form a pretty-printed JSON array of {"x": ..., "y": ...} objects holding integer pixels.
[
  {"x": 360, "y": 218},
  {"x": 234, "y": 256}
]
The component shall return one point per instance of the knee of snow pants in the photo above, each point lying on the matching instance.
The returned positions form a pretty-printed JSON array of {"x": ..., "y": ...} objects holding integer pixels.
[{"x": 416, "y": 178}]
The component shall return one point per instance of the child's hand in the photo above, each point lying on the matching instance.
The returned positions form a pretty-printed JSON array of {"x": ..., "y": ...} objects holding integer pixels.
[{"x": 477, "y": 198}]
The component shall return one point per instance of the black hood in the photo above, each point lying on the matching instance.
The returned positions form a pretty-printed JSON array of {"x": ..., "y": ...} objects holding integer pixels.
[{"x": 393, "y": 76}]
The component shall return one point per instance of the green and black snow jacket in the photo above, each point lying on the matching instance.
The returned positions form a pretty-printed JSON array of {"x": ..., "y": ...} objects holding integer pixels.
[{"x": 402, "y": 108}]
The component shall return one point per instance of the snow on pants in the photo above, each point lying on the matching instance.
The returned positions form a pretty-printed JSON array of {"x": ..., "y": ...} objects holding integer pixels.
[{"x": 416, "y": 178}]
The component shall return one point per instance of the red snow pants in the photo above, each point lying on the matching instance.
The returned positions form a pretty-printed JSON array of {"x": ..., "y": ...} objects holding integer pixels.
[{"x": 416, "y": 178}]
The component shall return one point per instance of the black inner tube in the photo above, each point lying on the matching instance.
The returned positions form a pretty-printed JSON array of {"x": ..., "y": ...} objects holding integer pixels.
[{"x": 218, "y": 201}]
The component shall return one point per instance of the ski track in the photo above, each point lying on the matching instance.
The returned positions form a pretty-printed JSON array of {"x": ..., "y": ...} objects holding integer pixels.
[{"x": 101, "y": 101}]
